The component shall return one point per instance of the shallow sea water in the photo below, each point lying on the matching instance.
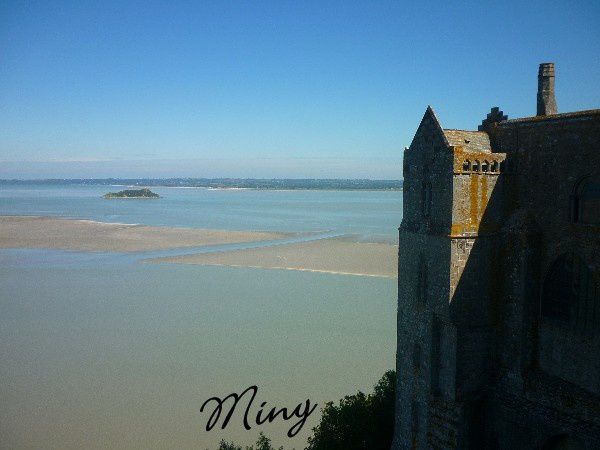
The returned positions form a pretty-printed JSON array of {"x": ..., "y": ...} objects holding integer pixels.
[{"x": 99, "y": 350}]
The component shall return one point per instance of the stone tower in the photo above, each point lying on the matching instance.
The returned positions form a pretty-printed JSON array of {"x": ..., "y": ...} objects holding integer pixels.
[
  {"x": 499, "y": 283},
  {"x": 449, "y": 178},
  {"x": 546, "y": 101}
]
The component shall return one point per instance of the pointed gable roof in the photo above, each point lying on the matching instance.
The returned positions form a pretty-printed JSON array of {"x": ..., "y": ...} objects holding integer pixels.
[
  {"x": 430, "y": 125},
  {"x": 473, "y": 141}
]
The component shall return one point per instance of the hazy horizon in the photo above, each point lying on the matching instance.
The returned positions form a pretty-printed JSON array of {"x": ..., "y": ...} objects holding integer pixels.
[{"x": 304, "y": 168}]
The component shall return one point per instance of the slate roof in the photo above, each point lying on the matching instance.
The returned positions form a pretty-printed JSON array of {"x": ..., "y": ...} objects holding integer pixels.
[
  {"x": 559, "y": 116},
  {"x": 476, "y": 141}
]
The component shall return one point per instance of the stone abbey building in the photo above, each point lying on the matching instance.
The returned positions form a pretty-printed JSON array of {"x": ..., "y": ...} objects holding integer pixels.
[{"x": 499, "y": 283}]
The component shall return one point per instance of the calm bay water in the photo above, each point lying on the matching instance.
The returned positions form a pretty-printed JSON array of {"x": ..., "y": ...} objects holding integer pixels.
[
  {"x": 99, "y": 351},
  {"x": 374, "y": 214}
]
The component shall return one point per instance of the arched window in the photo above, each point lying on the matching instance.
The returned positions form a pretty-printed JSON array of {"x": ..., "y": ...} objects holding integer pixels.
[
  {"x": 494, "y": 166},
  {"x": 476, "y": 166},
  {"x": 585, "y": 206},
  {"x": 467, "y": 165},
  {"x": 485, "y": 167},
  {"x": 571, "y": 295}
]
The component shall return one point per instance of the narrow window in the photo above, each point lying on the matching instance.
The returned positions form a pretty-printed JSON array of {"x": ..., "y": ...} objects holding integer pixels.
[
  {"x": 467, "y": 165},
  {"x": 476, "y": 166},
  {"x": 436, "y": 344},
  {"x": 494, "y": 167},
  {"x": 426, "y": 198},
  {"x": 557, "y": 291},
  {"x": 585, "y": 203},
  {"x": 422, "y": 281},
  {"x": 415, "y": 423},
  {"x": 485, "y": 166},
  {"x": 416, "y": 358}
]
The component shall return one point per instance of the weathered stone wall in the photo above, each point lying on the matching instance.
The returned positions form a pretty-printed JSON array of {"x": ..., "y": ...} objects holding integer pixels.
[
  {"x": 548, "y": 376},
  {"x": 427, "y": 188},
  {"x": 445, "y": 421},
  {"x": 526, "y": 419},
  {"x": 478, "y": 366},
  {"x": 471, "y": 195},
  {"x": 570, "y": 356},
  {"x": 426, "y": 345}
]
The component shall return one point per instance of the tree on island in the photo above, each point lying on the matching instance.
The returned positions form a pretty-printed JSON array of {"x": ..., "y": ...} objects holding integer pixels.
[{"x": 132, "y": 193}]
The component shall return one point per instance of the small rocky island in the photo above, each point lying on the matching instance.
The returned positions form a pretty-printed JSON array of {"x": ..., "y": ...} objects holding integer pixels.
[{"x": 132, "y": 193}]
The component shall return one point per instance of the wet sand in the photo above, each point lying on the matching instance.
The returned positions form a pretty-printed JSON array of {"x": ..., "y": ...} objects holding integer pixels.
[
  {"x": 87, "y": 235},
  {"x": 340, "y": 256},
  {"x": 343, "y": 255}
]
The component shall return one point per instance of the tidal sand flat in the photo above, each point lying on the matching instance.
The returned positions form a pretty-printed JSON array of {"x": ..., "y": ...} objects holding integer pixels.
[
  {"x": 340, "y": 256},
  {"x": 86, "y": 235}
]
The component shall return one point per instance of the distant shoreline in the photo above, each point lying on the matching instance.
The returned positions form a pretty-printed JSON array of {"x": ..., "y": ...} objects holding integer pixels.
[{"x": 279, "y": 184}]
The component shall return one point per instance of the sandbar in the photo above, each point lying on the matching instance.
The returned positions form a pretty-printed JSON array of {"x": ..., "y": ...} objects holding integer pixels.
[
  {"x": 87, "y": 235},
  {"x": 339, "y": 256}
]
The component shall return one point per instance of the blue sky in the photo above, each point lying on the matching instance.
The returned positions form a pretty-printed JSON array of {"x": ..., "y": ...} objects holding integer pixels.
[{"x": 270, "y": 89}]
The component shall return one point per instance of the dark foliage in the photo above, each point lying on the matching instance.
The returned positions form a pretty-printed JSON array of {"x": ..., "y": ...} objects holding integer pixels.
[
  {"x": 263, "y": 443},
  {"x": 359, "y": 422}
]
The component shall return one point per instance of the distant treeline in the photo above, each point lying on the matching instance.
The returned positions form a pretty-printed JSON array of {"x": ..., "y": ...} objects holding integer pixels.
[{"x": 224, "y": 183}]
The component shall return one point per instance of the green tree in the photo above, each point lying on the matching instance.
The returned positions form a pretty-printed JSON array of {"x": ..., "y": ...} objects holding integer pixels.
[
  {"x": 263, "y": 443},
  {"x": 359, "y": 422},
  {"x": 223, "y": 445}
]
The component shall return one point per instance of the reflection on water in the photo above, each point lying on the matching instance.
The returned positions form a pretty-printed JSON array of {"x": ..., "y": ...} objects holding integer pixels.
[{"x": 102, "y": 353}]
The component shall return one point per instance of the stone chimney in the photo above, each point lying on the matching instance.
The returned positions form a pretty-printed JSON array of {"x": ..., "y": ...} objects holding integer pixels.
[{"x": 546, "y": 102}]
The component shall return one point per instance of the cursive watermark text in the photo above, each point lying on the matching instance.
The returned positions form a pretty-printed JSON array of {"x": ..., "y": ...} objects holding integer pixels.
[{"x": 263, "y": 415}]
